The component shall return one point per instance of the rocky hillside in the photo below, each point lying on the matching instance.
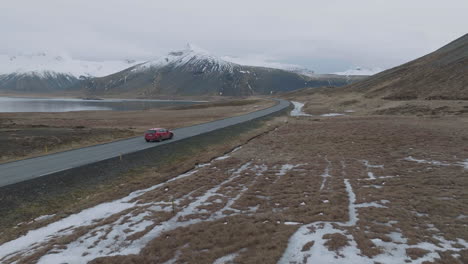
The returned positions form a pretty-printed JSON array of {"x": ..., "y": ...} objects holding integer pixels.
[
  {"x": 442, "y": 74},
  {"x": 193, "y": 71}
]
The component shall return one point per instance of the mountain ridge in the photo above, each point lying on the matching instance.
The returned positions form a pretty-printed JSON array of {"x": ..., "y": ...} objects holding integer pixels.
[{"x": 192, "y": 72}]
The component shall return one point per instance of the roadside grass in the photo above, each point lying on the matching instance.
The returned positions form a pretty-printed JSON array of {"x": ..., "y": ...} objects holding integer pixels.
[{"x": 27, "y": 142}]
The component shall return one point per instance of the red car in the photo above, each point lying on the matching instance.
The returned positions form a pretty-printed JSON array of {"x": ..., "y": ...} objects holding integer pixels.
[{"x": 158, "y": 134}]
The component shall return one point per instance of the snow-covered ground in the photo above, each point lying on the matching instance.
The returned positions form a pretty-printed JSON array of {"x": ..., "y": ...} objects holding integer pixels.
[
  {"x": 297, "y": 111},
  {"x": 394, "y": 251},
  {"x": 463, "y": 164},
  {"x": 332, "y": 114},
  {"x": 131, "y": 217},
  {"x": 43, "y": 64},
  {"x": 113, "y": 228}
]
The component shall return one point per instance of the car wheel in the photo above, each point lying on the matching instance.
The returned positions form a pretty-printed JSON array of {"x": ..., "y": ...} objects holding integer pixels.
[
  {"x": 147, "y": 140},
  {"x": 171, "y": 136},
  {"x": 160, "y": 139}
]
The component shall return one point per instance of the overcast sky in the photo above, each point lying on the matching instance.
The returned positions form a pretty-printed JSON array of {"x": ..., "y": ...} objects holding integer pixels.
[{"x": 323, "y": 35}]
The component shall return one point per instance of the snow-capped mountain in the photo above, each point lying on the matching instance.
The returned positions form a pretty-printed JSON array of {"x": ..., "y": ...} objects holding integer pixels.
[
  {"x": 41, "y": 64},
  {"x": 41, "y": 72},
  {"x": 190, "y": 58},
  {"x": 194, "y": 71},
  {"x": 190, "y": 71},
  {"x": 360, "y": 71}
]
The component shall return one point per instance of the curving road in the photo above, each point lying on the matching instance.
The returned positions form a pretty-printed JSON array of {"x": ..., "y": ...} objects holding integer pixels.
[{"x": 23, "y": 170}]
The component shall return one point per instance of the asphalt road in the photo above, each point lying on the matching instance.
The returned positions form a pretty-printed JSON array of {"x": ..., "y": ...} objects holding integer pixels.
[{"x": 23, "y": 170}]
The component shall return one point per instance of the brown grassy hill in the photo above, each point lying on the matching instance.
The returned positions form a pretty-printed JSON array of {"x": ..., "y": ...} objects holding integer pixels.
[
  {"x": 442, "y": 74},
  {"x": 435, "y": 84}
]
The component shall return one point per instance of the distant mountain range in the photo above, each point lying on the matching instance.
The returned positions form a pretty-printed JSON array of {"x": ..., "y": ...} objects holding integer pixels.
[
  {"x": 42, "y": 72},
  {"x": 191, "y": 71},
  {"x": 194, "y": 71},
  {"x": 442, "y": 74}
]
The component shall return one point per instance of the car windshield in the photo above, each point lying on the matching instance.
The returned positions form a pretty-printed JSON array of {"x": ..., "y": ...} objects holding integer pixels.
[{"x": 151, "y": 131}]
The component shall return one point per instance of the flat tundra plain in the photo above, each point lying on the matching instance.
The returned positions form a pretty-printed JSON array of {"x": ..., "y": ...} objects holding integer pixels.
[{"x": 336, "y": 189}]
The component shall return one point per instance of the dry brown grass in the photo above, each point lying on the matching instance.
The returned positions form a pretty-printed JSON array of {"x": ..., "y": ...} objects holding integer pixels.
[
  {"x": 438, "y": 192},
  {"x": 206, "y": 242},
  {"x": 331, "y": 100},
  {"x": 415, "y": 253},
  {"x": 335, "y": 241}
]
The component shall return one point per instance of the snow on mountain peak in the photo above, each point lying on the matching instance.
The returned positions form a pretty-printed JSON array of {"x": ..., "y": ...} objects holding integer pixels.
[
  {"x": 41, "y": 63},
  {"x": 191, "y": 56}
]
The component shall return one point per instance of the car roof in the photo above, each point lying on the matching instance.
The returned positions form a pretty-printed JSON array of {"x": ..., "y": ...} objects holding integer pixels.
[{"x": 156, "y": 128}]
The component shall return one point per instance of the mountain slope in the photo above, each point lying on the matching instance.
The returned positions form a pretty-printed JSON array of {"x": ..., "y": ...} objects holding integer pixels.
[
  {"x": 442, "y": 74},
  {"x": 193, "y": 71},
  {"x": 42, "y": 72},
  {"x": 37, "y": 82},
  {"x": 260, "y": 61}
]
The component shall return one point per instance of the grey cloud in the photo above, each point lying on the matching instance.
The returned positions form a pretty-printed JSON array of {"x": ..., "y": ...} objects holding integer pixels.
[{"x": 323, "y": 35}]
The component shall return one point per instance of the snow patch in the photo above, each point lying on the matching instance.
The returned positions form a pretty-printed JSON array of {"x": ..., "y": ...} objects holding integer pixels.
[
  {"x": 332, "y": 114},
  {"x": 432, "y": 162},
  {"x": 297, "y": 111},
  {"x": 43, "y": 217},
  {"x": 292, "y": 223},
  {"x": 464, "y": 164},
  {"x": 26, "y": 244},
  {"x": 228, "y": 258},
  {"x": 325, "y": 174},
  {"x": 285, "y": 168},
  {"x": 394, "y": 250}
]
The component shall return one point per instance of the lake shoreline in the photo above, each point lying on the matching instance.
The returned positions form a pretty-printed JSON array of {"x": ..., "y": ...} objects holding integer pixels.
[{"x": 33, "y": 104}]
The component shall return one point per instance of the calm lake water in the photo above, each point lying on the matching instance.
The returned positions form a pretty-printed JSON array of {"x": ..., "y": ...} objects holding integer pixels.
[{"x": 15, "y": 104}]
